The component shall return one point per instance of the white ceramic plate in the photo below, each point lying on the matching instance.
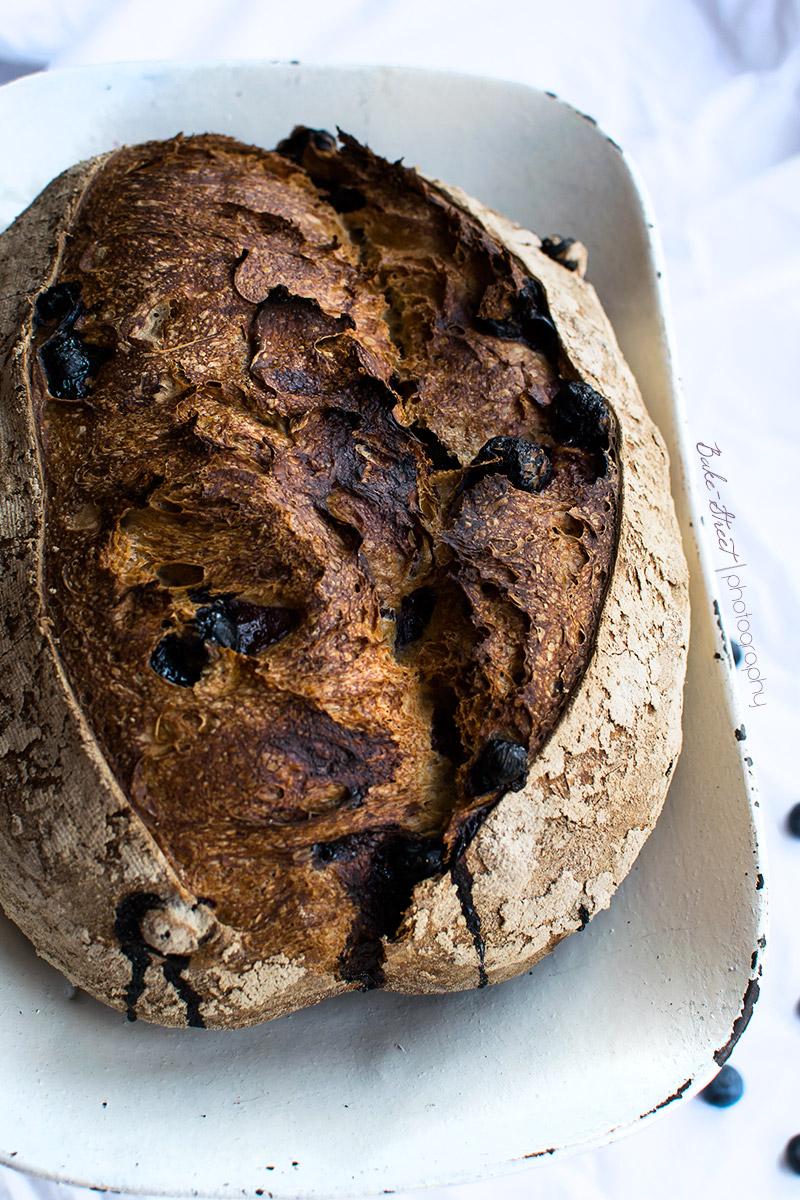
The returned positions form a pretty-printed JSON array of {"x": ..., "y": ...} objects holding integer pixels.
[{"x": 374, "y": 1092}]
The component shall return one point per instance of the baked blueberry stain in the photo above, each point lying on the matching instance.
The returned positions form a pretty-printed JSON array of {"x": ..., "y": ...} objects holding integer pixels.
[
  {"x": 380, "y": 871},
  {"x": 58, "y": 304},
  {"x": 415, "y": 612},
  {"x": 579, "y": 416},
  {"x": 244, "y": 627},
  {"x": 528, "y": 321},
  {"x": 740, "y": 734},
  {"x": 559, "y": 250},
  {"x": 127, "y": 928},
  {"x": 501, "y": 764},
  {"x": 463, "y": 881},
  {"x": 180, "y": 658},
  {"x": 526, "y": 465},
  {"x": 302, "y": 139},
  {"x": 67, "y": 360},
  {"x": 583, "y": 917}
]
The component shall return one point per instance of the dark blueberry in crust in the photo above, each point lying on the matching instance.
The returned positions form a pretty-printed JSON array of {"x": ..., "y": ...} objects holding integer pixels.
[
  {"x": 580, "y": 417},
  {"x": 502, "y": 764},
  {"x": 736, "y": 649},
  {"x": 725, "y": 1089},
  {"x": 180, "y": 659},
  {"x": 59, "y": 303},
  {"x": 559, "y": 250},
  {"x": 793, "y": 821},
  {"x": 66, "y": 365},
  {"x": 244, "y": 627},
  {"x": 414, "y": 615},
  {"x": 525, "y": 464},
  {"x": 529, "y": 321},
  {"x": 793, "y": 1154},
  {"x": 295, "y": 146}
]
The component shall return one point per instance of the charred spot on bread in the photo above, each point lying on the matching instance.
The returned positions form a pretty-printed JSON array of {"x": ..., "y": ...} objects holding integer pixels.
[
  {"x": 525, "y": 464},
  {"x": 580, "y": 416}
]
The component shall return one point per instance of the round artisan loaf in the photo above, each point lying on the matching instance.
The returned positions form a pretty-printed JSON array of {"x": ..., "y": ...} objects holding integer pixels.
[{"x": 344, "y": 613}]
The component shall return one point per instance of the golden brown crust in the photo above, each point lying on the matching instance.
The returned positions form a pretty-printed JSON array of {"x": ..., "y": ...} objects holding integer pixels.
[{"x": 275, "y": 448}]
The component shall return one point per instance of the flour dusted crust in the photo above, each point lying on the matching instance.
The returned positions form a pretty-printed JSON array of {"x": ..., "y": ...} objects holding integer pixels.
[{"x": 216, "y": 807}]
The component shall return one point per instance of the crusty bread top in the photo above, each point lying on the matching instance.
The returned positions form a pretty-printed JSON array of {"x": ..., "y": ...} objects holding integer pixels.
[
  {"x": 540, "y": 740},
  {"x": 294, "y": 608}
]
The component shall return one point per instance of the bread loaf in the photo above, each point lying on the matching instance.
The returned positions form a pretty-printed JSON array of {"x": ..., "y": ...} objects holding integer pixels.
[{"x": 344, "y": 614}]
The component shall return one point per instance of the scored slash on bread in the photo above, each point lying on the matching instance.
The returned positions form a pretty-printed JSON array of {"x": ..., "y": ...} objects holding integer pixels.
[{"x": 345, "y": 614}]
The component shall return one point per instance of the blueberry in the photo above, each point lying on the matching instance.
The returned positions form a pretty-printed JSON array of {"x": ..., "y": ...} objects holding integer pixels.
[
  {"x": 501, "y": 764},
  {"x": 525, "y": 464},
  {"x": 725, "y": 1089},
  {"x": 736, "y": 649},
  {"x": 580, "y": 417},
  {"x": 529, "y": 321},
  {"x": 180, "y": 659},
  {"x": 415, "y": 613},
  {"x": 66, "y": 365},
  {"x": 244, "y": 627},
  {"x": 302, "y": 138},
  {"x": 793, "y": 1154},
  {"x": 561, "y": 251},
  {"x": 60, "y": 303},
  {"x": 793, "y": 821}
]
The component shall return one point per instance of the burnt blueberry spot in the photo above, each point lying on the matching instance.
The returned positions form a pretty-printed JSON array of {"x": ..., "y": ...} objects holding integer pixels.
[
  {"x": 463, "y": 881},
  {"x": 559, "y": 250},
  {"x": 66, "y": 366},
  {"x": 180, "y": 658},
  {"x": 725, "y": 1088},
  {"x": 302, "y": 138},
  {"x": 58, "y": 304},
  {"x": 526, "y": 465},
  {"x": 501, "y": 764},
  {"x": 415, "y": 612},
  {"x": 127, "y": 929},
  {"x": 244, "y": 627},
  {"x": 529, "y": 321},
  {"x": 380, "y": 871},
  {"x": 580, "y": 417}
]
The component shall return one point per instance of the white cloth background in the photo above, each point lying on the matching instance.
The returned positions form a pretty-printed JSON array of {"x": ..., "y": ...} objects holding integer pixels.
[{"x": 705, "y": 95}]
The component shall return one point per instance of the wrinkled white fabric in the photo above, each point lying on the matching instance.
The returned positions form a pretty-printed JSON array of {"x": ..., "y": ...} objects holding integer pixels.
[{"x": 705, "y": 96}]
